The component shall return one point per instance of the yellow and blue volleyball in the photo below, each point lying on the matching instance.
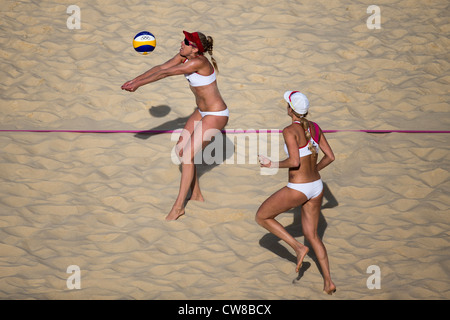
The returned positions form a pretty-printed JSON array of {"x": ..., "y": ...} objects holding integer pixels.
[{"x": 144, "y": 42}]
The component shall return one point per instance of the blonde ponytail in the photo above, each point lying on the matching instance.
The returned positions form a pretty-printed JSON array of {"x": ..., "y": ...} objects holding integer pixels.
[
  {"x": 208, "y": 44},
  {"x": 305, "y": 124}
]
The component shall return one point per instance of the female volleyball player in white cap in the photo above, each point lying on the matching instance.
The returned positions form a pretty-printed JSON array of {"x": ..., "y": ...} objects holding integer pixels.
[
  {"x": 210, "y": 116},
  {"x": 303, "y": 139}
]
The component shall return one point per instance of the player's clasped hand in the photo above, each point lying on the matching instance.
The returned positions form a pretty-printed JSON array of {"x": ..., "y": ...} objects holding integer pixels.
[
  {"x": 264, "y": 161},
  {"x": 130, "y": 86}
]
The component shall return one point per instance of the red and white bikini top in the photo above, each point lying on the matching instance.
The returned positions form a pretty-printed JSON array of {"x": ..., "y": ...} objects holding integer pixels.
[
  {"x": 197, "y": 80},
  {"x": 304, "y": 150}
]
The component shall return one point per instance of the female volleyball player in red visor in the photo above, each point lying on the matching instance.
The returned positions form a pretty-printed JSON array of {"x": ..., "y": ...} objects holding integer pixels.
[{"x": 210, "y": 116}]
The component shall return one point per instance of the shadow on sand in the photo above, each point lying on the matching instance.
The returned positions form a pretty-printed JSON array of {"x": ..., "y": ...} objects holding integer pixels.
[
  {"x": 159, "y": 112},
  {"x": 227, "y": 150}
]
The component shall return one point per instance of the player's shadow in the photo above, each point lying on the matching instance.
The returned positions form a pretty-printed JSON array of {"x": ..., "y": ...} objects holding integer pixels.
[
  {"x": 159, "y": 112},
  {"x": 272, "y": 242},
  {"x": 218, "y": 154}
]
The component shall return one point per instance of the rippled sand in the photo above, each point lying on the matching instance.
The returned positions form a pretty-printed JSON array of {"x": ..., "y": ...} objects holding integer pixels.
[{"x": 98, "y": 201}]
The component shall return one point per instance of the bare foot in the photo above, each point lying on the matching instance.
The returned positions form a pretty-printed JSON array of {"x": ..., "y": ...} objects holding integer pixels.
[
  {"x": 301, "y": 253},
  {"x": 329, "y": 288},
  {"x": 175, "y": 213}
]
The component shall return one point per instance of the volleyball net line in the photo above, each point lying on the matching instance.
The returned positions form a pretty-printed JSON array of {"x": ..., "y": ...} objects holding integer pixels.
[{"x": 224, "y": 131}]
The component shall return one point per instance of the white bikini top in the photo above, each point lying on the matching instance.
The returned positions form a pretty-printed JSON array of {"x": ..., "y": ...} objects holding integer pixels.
[
  {"x": 197, "y": 80},
  {"x": 304, "y": 151}
]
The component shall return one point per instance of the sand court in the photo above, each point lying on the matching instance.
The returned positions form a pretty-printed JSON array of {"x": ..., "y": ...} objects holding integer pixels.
[{"x": 98, "y": 200}]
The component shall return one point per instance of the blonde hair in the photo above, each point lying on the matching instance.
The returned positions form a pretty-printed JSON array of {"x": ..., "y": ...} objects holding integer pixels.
[
  {"x": 305, "y": 124},
  {"x": 207, "y": 43}
]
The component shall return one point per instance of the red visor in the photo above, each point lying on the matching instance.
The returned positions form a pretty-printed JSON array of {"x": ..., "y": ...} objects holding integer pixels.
[{"x": 193, "y": 37}]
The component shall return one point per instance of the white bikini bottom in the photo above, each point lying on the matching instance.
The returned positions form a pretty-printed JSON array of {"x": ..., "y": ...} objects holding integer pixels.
[
  {"x": 223, "y": 113},
  {"x": 310, "y": 189}
]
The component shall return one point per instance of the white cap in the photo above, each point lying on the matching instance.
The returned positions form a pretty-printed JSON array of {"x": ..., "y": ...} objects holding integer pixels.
[{"x": 298, "y": 101}]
